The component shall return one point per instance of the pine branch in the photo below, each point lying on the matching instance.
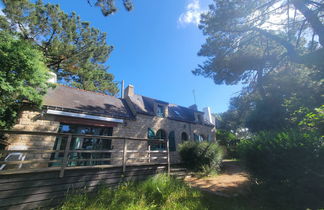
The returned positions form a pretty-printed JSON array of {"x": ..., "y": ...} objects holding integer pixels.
[{"x": 313, "y": 20}]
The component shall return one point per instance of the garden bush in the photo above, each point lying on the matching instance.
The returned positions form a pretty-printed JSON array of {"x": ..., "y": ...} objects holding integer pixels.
[
  {"x": 199, "y": 156},
  {"x": 289, "y": 164},
  {"x": 228, "y": 140}
]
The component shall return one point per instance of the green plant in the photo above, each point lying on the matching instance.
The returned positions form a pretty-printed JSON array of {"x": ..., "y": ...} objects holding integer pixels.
[
  {"x": 288, "y": 164},
  {"x": 314, "y": 120},
  {"x": 229, "y": 141},
  {"x": 199, "y": 155},
  {"x": 158, "y": 192},
  {"x": 73, "y": 49},
  {"x": 23, "y": 77},
  {"x": 225, "y": 137}
]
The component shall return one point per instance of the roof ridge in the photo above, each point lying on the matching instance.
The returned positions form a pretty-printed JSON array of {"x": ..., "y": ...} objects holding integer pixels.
[{"x": 90, "y": 91}]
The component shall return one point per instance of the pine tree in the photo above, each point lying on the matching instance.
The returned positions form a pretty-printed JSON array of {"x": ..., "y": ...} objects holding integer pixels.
[
  {"x": 73, "y": 49},
  {"x": 248, "y": 39},
  {"x": 108, "y": 6}
]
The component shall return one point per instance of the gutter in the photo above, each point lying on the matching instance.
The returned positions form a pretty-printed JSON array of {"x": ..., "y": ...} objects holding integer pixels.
[{"x": 84, "y": 116}]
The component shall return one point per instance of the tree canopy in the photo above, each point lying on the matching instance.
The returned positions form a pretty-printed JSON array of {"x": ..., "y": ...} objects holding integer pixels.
[
  {"x": 289, "y": 96},
  {"x": 248, "y": 39},
  {"x": 73, "y": 49},
  {"x": 275, "y": 47},
  {"x": 23, "y": 77}
]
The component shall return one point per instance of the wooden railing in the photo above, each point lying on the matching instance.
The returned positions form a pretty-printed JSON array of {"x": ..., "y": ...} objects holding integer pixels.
[{"x": 25, "y": 166}]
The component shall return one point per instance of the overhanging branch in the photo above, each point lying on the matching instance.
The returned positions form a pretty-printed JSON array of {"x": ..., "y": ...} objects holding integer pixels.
[{"x": 313, "y": 20}]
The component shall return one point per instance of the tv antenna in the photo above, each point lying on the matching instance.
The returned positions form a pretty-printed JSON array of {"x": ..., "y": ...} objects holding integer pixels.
[{"x": 194, "y": 95}]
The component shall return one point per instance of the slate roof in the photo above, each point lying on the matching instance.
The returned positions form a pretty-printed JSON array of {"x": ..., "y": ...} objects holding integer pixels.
[
  {"x": 81, "y": 101},
  {"x": 145, "y": 105},
  {"x": 77, "y": 100}
]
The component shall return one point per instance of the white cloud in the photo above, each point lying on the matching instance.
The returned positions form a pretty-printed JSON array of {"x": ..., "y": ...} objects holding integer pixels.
[{"x": 191, "y": 14}]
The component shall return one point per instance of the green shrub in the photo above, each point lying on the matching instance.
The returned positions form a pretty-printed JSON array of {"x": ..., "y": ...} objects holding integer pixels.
[
  {"x": 289, "y": 164},
  {"x": 198, "y": 156},
  {"x": 228, "y": 140}
]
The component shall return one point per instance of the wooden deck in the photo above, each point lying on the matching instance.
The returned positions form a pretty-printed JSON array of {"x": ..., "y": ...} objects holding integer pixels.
[
  {"x": 29, "y": 187},
  {"x": 47, "y": 189}
]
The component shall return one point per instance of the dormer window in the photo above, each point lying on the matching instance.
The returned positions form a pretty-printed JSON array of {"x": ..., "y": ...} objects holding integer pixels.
[
  {"x": 198, "y": 117},
  {"x": 160, "y": 111}
]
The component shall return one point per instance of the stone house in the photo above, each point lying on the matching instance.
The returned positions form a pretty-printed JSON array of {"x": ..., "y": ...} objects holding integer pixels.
[{"x": 73, "y": 110}]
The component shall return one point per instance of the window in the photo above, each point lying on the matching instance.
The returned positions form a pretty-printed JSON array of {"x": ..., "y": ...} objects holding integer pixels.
[
  {"x": 201, "y": 138},
  {"x": 196, "y": 137},
  {"x": 83, "y": 143},
  {"x": 184, "y": 136},
  {"x": 160, "y": 111},
  {"x": 172, "y": 143},
  {"x": 160, "y": 134},
  {"x": 199, "y": 118},
  {"x": 209, "y": 137},
  {"x": 150, "y": 133}
]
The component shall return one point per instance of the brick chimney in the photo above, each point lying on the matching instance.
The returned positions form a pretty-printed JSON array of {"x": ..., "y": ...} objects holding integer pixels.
[
  {"x": 129, "y": 91},
  {"x": 208, "y": 116}
]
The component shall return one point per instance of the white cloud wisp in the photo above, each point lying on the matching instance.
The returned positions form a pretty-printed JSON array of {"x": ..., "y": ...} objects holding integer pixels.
[{"x": 191, "y": 14}]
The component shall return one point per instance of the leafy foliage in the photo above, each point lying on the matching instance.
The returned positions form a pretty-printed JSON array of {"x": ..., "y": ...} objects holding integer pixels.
[
  {"x": 225, "y": 137},
  {"x": 201, "y": 155},
  {"x": 289, "y": 161},
  {"x": 245, "y": 41},
  {"x": 314, "y": 120},
  {"x": 72, "y": 48},
  {"x": 108, "y": 6},
  {"x": 289, "y": 95},
  {"x": 229, "y": 140},
  {"x": 23, "y": 77}
]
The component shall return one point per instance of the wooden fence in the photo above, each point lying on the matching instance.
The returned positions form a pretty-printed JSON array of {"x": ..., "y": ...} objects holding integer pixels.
[{"x": 27, "y": 188}]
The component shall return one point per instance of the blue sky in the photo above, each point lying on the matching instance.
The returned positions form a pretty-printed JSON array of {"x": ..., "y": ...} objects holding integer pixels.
[{"x": 155, "y": 49}]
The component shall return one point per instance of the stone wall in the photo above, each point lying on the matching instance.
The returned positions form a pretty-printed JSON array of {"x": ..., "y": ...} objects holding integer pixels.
[{"x": 33, "y": 120}]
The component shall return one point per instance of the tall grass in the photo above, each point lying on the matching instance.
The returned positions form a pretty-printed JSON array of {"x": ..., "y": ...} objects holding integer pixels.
[{"x": 158, "y": 192}]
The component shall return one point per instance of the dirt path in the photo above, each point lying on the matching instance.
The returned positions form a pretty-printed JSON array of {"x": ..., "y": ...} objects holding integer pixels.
[{"x": 231, "y": 182}]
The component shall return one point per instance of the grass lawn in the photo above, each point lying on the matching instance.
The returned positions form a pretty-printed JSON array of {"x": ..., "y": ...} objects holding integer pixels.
[{"x": 158, "y": 192}]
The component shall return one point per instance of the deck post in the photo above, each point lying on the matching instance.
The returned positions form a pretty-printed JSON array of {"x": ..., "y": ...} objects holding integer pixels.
[
  {"x": 168, "y": 158},
  {"x": 66, "y": 155},
  {"x": 149, "y": 152},
  {"x": 124, "y": 156}
]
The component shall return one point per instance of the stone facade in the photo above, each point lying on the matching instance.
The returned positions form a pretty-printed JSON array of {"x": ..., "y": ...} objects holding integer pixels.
[
  {"x": 139, "y": 128},
  {"x": 34, "y": 120}
]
